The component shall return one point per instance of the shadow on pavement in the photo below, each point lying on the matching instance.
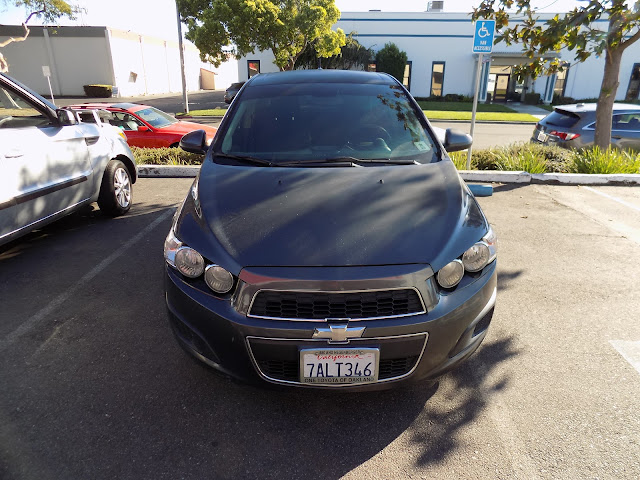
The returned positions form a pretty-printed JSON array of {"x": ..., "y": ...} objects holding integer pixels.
[{"x": 101, "y": 390}]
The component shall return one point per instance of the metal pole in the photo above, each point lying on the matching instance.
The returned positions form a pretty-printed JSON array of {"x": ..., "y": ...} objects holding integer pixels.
[
  {"x": 185, "y": 98},
  {"x": 475, "y": 106}
]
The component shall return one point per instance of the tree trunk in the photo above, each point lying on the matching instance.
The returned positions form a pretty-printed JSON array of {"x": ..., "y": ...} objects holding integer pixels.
[{"x": 604, "y": 111}]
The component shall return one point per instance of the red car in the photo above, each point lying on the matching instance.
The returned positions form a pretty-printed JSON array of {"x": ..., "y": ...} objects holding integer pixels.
[{"x": 147, "y": 126}]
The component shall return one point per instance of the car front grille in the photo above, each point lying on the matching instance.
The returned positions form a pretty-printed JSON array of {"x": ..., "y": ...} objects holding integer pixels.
[{"x": 323, "y": 305}]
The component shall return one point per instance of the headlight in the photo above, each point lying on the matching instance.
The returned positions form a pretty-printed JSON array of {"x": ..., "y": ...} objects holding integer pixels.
[
  {"x": 189, "y": 262},
  {"x": 451, "y": 274},
  {"x": 481, "y": 253},
  {"x": 171, "y": 246},
  {"x": 218, "y": 279}
]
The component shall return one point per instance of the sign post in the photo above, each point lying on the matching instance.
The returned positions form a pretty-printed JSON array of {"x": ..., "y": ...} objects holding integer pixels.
[
  {"x": 482, "y": 43},
  {"x": 46, "y": 71}
]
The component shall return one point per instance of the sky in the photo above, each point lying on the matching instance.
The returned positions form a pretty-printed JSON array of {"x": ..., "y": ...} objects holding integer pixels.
[{"x": 158, "y": 17}]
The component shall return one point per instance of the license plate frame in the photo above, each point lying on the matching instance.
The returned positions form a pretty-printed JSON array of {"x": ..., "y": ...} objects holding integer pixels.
[{"x": 359, "y": 358}]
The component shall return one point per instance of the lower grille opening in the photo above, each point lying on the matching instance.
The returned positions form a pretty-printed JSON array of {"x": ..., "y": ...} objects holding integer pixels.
[
  {"x": 193, "y": 340},
  {"x": 288, "y": 370},
  {"x": 483, "y": 324}
]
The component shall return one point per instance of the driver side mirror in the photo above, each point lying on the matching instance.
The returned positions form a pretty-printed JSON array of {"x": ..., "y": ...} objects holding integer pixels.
[
  {"x": 143, "y": 128},
  {"x": 194, "y": 142},
  {"x": 455, "y": 140},
  {"x": 66, "y": 117}
]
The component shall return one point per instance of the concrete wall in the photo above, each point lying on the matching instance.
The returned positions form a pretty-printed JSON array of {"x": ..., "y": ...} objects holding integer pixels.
[{"x": 77, "y": 56}]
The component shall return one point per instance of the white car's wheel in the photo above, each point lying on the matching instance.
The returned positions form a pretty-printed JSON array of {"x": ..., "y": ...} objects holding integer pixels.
[{"x": 116, "y": 190}]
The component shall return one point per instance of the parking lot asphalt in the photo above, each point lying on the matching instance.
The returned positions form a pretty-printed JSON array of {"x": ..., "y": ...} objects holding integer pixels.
[{"x": 94, "y": 386}]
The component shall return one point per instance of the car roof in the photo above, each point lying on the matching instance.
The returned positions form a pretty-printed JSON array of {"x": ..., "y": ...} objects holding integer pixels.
[
  {"x": 321, "y": 76},
  {"x": 122, "y": 106},
  {"x": 591, "y": 107}
]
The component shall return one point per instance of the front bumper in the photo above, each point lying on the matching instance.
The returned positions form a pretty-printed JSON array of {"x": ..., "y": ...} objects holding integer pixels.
[{"x": 219, "y": 332}]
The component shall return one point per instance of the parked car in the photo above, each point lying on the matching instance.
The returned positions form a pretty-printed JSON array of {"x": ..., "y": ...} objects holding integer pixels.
[
  {"x": 147, "y": 126},
  {"x": 51, "y": 164},
  {"x": 328, "y": 240},
  {"x": 232, "y": 91},
  {"x": 573, "y": 126}
]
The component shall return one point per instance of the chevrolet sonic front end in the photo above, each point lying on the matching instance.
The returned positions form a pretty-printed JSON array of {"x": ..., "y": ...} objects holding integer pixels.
[{"x": 328, "y": 240}]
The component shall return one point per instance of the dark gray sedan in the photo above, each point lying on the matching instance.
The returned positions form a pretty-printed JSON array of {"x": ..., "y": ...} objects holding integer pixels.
[
  {"x": 328, "y": 240},
  {"x": 573, "y": 126}
]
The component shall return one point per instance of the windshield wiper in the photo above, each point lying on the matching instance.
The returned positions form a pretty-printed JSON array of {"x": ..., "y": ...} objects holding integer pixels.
[
  {"x": 245, "y": 158},
  {"x": 346, "y": 159}
]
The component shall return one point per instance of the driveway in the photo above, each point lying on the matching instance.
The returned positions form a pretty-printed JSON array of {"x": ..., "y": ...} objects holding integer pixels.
[{"x": 94, "y": 386}]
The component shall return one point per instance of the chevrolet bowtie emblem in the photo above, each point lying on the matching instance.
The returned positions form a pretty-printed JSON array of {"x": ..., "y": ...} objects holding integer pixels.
[{"x": 340, "y": 333}]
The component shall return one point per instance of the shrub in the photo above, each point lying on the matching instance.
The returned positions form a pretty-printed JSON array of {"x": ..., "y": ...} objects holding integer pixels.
[
  {"x": 98, "y": 91},
  {"x": 612, "y": 160},
  {"x": 165, "y": 156},
  {"x": 532, "y": 98},
  {"x": 560, "y": 100},
  {"x": 391, "y": 60}
]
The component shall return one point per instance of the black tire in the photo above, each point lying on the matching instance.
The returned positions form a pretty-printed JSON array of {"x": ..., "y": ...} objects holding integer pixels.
[{"x": 116, "y": 191}]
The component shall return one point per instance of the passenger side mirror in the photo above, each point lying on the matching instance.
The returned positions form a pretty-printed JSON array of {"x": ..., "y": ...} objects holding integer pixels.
[
  {"x": 195, "y": 142},
  {"x": 143, "y": 128},
  {"x": 455, "y": 140},
  {"x": 66, "y": 117}
]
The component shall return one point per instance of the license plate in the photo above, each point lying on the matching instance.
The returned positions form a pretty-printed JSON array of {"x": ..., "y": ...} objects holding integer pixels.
[
  {"x": 339, "y": 365},
  {"x": 542, "y": 137}
]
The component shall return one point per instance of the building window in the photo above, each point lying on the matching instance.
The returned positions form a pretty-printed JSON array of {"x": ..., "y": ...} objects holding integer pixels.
[
  {"x": 372, "y": 67},
  {"x": 437, "y": 78},
  {"x": 254, "y": 67},
  {"x": 406, "y": 79},
  {"x": 561, "y": 81},
  {"x": 634, "y": 83}
]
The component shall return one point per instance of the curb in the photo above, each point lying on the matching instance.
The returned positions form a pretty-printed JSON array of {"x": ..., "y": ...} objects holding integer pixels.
[{"x": 483, "y": 176}]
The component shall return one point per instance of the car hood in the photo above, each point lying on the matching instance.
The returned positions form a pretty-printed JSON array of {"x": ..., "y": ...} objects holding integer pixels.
[
  {"x": 186, "y": 127},
  {"x": 335, "y": 216}
]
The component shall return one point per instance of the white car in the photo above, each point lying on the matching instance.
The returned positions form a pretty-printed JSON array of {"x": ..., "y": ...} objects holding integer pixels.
[{"x": 53, "y": 161}]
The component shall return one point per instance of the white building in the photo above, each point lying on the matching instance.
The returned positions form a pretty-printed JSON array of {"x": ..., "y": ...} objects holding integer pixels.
[
  {"x": 440, "y": 59},
  {"x": 134, "y": 64}
]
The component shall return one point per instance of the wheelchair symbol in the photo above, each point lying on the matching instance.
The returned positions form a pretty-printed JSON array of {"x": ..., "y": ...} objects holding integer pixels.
[{"x": 483, "y": 31}]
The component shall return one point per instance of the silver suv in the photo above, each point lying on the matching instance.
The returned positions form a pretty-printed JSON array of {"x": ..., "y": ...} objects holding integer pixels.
[
  {"x": 573, "y": 126},
  {"x": 53, "y": 162}
]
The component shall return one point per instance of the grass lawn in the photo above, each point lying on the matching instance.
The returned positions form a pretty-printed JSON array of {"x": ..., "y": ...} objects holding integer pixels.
[
  {"x": 436, "y": 111},
  {"x": 481, "y": 116},
  {"x": 212, "y": 112},
  {"x": 463, "y": 107}
]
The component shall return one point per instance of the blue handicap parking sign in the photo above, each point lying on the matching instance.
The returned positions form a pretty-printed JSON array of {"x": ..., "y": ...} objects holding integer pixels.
[{"x": 483, "y": 38}]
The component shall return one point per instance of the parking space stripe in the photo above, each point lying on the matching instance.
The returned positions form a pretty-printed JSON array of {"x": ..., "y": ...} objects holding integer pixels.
[
  {"x": 629, "y": 350},
  {"x": 615, "y": 199},
  {"x": 32, "y": 322}
]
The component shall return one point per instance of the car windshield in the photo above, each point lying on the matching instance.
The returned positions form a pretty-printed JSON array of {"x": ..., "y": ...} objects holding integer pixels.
[
  {"x": 156, "y": 118},
  {"x": 319, "y": 122}
]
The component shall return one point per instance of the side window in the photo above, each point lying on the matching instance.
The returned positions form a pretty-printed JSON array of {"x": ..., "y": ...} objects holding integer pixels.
[
  {"x": 125, "y": 121},
  {"x": 15, "y": 112},
  {"x": 627, "y": 121}
]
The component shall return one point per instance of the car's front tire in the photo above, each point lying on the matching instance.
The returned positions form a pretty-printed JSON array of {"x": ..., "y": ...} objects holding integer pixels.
[{"x": 116, "y": 190}]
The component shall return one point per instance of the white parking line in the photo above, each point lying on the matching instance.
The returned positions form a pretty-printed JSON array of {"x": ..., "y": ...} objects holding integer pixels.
[
  {"x": 63, "y": 297},
  {"x": 630, "y": 350},
  {"x": 615, "y": 199}
]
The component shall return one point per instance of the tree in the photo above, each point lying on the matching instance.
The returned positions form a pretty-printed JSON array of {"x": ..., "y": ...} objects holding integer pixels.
[
  {"x": 352, "y": 56},
  {"x": 48, "y": 10},
  {"x": 577, "y": 31},
  {"x": 390, "y": 59},
  {"x": 220, "y": 28}
]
